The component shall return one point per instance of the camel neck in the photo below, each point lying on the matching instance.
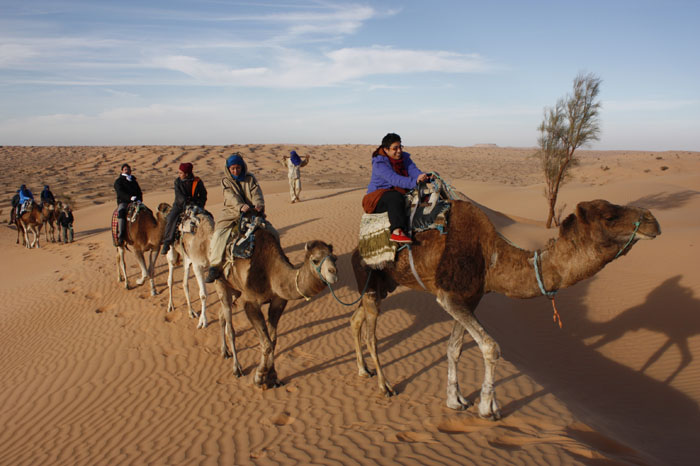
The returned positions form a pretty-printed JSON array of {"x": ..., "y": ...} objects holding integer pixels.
[
  {"x": 297, "y": 282},
  {"x": 561, "y": 264}
]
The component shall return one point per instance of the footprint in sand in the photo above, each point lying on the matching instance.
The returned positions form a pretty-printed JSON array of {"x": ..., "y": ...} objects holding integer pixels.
[{"x": 282, "y": 419}]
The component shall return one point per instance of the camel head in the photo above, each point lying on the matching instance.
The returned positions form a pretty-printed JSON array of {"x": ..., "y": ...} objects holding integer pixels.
[
  {"x": 320, "y": 257},
  {"x": 164, "y": 208},
  {"x": 608, "y": 229}
]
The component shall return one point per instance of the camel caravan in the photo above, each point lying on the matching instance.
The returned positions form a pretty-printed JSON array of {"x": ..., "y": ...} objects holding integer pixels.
[
  {"x": 30, "y": 217},
  {"x": 424, "y": 236},
  {"x": 416, "y": 232}
]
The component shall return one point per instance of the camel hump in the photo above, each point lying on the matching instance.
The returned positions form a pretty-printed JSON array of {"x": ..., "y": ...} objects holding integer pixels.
[{"x": 462, "y": 264}]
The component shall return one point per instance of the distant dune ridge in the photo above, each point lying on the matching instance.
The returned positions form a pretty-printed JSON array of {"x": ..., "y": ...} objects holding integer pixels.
[{"x": 95, "y": 374}]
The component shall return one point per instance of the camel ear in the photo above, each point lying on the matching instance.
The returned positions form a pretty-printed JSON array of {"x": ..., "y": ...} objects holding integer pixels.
[{"x": 306, "y": 246}]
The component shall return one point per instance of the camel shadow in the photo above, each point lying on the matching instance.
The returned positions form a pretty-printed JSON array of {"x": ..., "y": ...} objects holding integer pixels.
[
  {"x": 649, "y": 316},
  {"x": 339, "y": 193},
  {"x": 286, "y": 228},
  {"x": 612, "y": 397},
  {"x": 89, "y": 233},
  {"x": 664, "y": 200}
]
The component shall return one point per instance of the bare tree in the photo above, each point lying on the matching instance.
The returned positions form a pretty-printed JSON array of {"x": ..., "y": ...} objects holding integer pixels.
[{"x": 573, "y": 122}]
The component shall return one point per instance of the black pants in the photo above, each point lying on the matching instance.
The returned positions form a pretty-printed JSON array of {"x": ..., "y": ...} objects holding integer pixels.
[
  {"x": 171, "y": 224},
  {"x": 122, "y": 208},
  {"x": 393, "y": 203}
]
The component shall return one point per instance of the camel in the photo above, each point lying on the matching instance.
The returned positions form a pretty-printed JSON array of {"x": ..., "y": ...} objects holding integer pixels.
[
  {"x": 193, "y": 247},
  {"x": 473, "y": 259},
  {"x": 269, "y": 277},
  {"x": 51, "y": 213},
  {"x": 30, "y": 221},
  {"x": 144, "y": 234}
]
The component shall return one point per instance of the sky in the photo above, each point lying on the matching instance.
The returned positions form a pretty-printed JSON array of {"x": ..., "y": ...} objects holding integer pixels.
[{"x": 459, "y": 73}]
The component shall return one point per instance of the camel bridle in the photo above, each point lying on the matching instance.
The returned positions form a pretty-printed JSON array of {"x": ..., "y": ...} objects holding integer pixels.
[{"x": 550, "y": 294}]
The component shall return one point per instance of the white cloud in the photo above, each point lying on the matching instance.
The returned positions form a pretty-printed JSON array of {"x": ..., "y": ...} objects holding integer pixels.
[{"x": 295, "y": 70}]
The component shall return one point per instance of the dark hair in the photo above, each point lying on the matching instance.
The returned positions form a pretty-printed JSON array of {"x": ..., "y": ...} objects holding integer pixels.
[
  {"x": 389, "y": 139},
  {"x": 125, "y": 165}
]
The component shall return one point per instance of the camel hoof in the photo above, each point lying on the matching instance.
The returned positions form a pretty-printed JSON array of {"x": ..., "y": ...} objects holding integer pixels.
[
  {"x": 226, "y": 353},
  {"x": 237, "y": 372},
  {"x": 202, "y": 324},
  {"x": 192, "y": 314},
  {"x": 365, "y": 373},
  {"x": 492, "y": 411},
  {"x": 140, "y": 281}
]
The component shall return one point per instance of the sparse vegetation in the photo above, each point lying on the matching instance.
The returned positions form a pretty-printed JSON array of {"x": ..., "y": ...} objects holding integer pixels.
[{"x": 571, "y": 123}]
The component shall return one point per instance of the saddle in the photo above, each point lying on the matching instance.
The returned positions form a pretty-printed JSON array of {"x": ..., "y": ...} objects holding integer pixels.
[
  {"x": 132, "y": 212},
  {"x": 25, "y": 206},
  {"x": 189, "y": 219},
  {"x": 427, "y": 207},
  {"x": 241, "y": 243}
]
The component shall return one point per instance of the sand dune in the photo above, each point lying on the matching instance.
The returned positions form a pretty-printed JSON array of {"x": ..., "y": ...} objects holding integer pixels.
[{"x": 96, "y": 374}]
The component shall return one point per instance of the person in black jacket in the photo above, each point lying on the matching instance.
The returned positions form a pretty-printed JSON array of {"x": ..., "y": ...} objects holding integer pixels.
[
  {"x": 128, "y": 191},
  {"x": 189, "y": 189},
  {"x": 65, "y": 222},
  {"x": 47, "y": 196}
]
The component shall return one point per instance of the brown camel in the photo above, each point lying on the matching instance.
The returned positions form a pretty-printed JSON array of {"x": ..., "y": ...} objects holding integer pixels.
[
  {"x": 193, "y": 247},
  {"x": 269, "y": 277},
  {"x": 144, "y": 234},
  {"x": 51, "y": 213},
  {"x": 474, "y": 259},
  {"x": 30, "y": 221}
]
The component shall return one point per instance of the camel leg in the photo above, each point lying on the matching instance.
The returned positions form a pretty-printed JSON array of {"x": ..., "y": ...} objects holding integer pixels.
[
  {"x": 356, "y": 322},
  {"x": 489, "y": 407},
  {"x": 142, "y": 264},
  {"x": 186, "y": 262},
  {"x": 152, "y": 257},
  {"x": 277, "y": 306},
  {"x": 257, "y": 320},
  {"x": 455, "y": 400},
  {"x": 370, "y": 303},
  {"x": 171, "y": 269},
  {"x": 226, "y": 321},
  {"x": 37, "y": 237},
  {"x": 121, "y": 267},
  {"x": 199, "y": 275}
]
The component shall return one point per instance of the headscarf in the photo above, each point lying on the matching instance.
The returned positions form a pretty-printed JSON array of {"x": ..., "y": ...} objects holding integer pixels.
[
  {"x": 186, "y": 168},
  {"x": 296, "y": 160},
  {"x": 46, "y": 187},
  {"x": 236, "y": 159}
]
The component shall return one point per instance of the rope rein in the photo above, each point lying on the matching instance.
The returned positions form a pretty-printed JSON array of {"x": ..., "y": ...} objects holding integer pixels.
[{"x": 320, "y": 276}]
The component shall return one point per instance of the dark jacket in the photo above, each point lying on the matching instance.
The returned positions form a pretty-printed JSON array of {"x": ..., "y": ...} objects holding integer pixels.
[
  {"x": 184, "y": 194},
  {"x": 126, "y": 189},
  {"x": 47, "y": 197},
  {"x": 65, "y": 220},
  {"x": 15, "y": 200}
]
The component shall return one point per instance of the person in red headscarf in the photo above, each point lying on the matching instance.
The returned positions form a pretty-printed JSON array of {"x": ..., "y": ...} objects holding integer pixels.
[{"x": 189, "y": 189}]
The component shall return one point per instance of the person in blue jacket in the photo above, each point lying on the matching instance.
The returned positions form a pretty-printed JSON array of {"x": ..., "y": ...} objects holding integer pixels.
[
  {"x": 393, "y": 174},
  {"x": 25, "y": 194}
]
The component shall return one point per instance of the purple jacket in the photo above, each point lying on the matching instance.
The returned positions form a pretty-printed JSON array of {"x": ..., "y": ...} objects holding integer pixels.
[{"x": 384, "y": 176}]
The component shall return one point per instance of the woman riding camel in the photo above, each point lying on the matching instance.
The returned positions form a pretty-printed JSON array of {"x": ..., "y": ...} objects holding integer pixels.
[
  {"x": 393, "y": 174},
  {"x": 242, "y": 193}
]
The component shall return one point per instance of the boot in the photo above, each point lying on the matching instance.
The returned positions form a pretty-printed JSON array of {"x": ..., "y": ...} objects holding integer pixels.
[{"x": 212, "y": 274}]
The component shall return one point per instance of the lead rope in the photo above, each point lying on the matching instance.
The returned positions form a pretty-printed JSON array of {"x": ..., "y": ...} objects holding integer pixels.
[
  {"x": 320, "y": 275},
  {"x": 550, "y": 294}
]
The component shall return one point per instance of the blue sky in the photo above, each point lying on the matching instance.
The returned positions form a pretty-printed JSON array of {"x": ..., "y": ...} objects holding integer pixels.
[{"x": 324, "y": 72}]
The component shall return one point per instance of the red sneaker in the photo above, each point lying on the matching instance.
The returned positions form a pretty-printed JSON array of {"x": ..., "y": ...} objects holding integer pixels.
[{"x": 400, "y": 238}]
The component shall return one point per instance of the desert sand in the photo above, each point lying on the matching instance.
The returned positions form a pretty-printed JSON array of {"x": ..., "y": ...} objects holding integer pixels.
[{"x": 96, "y": 374}]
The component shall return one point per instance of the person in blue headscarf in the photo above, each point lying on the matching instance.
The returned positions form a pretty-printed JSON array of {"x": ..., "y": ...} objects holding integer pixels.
[
  {"x": 25, "y": 194},
  {"x": 293, "y": 164},
  {"x": 47, "y": 196},
  {"x": 242, "y": 193}
]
